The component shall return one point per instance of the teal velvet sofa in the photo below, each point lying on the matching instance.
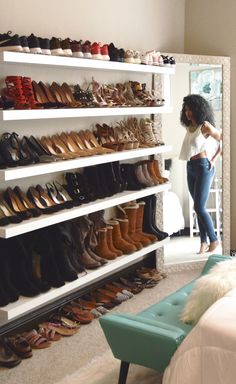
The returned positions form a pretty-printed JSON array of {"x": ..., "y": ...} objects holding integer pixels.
[{"x": 151, "y": 337}]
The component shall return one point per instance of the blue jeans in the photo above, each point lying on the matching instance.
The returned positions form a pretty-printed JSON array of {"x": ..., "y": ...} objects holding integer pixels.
[{"x": 199, "y": 178}]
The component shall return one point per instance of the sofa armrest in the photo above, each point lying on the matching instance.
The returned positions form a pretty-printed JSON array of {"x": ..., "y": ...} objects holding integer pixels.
[{"x": 139, "y": 340}]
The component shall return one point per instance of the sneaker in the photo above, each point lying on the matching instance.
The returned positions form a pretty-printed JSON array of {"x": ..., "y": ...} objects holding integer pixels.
[
  {"x": 113, "y": 52},
  {"x": 86, "y": 49},
  {"x": 172, "y": 61},
  {"x": 76, "y": 48},
  {"x": 96, "y": 51},
  {"x": 34, "y": 45},
  {"x": 137, "y": 57},
  {"x": 45, "y": 46},
  {"x": 55, "y": 47},
  {"x": 65, "y": 45},
  {"x": 146, "y": 59},
  {"x": 166, "y": 60},
  {"x": 129, "y": 56},
  {"x": 10, "y": 43},
  {"x": 105, "y": 53},
  {"x": 24, "y": 43},
  {"x": 121, "y": 55},
  {"x": 156, "y": 58}
]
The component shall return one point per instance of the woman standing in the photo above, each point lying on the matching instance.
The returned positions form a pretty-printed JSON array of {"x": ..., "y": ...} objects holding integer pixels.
[{"x": 201, "y": 148}]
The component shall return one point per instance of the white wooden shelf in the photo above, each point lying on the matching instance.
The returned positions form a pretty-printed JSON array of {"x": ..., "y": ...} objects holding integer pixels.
[
  {"x": 59, "y": 166},
  {"x": 34, "y": 114},
  {"x": 25, "y": 304},
  {"x": 74, "y": 62},
  {"x": 67, "y": 214}
]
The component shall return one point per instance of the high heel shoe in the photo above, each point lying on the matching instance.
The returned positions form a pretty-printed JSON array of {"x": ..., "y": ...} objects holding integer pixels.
[
  {"x": 7, "y": 215},
  {"x": 36, "y": 198},
  {"x": 59, "y": 143},
  {"x": 50, "y": 146},
  {"x": 83, "y": 145},
  {"x": 41, "y": 97},
  {"x": 57, "y": 197},
  {"x": 43, "y": 156},
  {"x": 16, "y": 205},
  {"x": 69, "y": 95},
  {"x": 9, "y": 152},
  {"x": 91, "y": 139},
  {"x": 50, "y": 203},
  {"x": 26, "y": 202},
  {"x": 71, "y": 145},
  {"x": 61, "y": 97},
  {"x": 50, "y": 96}
]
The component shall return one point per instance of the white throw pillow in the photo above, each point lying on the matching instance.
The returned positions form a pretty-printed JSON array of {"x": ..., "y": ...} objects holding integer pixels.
[{"x": 208, "y": 289}]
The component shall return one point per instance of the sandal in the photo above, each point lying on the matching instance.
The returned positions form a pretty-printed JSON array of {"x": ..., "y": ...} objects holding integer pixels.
[
  {"x": 19, "y": 345},
  {"x": 59, "y": 328},
  {"x": 35, "y": 340},
  {"x": 49, "y": 334}
]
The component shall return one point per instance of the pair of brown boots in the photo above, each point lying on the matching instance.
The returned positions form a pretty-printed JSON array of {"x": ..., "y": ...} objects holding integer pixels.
[{"x": 124, "y": 235}]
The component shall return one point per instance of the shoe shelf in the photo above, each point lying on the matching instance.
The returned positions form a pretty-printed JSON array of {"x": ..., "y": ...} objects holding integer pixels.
[
  {"x": 65, "y": 165},
  {"x": 33, "y": 114},
  {"x": 25, "y": 304},
  {"x": 84, "y": 209},
  {"x": 74, "y": 62}
]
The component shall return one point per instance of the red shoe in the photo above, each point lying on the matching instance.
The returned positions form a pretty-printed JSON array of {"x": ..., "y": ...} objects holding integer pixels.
[
  {"x": 86, "y": 49},
  {"x": 96, "y": 51},
  {"x": 76, "y": 48},
  {"x": 104, "y": 52}
]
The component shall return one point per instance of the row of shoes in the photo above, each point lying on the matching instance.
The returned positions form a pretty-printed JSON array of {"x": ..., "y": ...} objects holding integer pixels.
[
  {"x": 25, "y": 93},
  {"x": 51, "y": 256},
  {"x": 124, "y": 135},
  {"x": 86, "y": 49},
  {"x": 91, "y": 183},
  {"x": 66, "y": 321}
]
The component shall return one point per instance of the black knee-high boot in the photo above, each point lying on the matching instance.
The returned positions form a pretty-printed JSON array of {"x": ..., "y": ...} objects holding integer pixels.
[{"x": 149, "y": 222}]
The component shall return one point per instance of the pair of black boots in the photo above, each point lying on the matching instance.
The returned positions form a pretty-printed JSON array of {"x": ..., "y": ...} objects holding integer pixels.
[
  {"x": 96, "y": 182},
  {"x": 149, "y": 219}
]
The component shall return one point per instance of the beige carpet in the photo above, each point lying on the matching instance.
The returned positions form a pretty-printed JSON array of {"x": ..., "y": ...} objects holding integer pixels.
[{"x": 86, "y": 358}]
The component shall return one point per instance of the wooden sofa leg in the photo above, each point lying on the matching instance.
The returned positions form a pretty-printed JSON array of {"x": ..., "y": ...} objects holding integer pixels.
[{"x": 124, "y": 368}]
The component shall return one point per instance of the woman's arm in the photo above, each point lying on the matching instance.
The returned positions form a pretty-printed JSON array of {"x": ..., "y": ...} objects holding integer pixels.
[{"x": 209, "y": 130}]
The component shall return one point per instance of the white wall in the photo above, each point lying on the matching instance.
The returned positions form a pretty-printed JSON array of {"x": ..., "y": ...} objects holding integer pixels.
[
  {"x": 137, "y": 24},
  {"x": 211, "y": 30}
]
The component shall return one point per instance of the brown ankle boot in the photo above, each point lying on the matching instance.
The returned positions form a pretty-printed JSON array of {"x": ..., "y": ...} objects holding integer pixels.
[
  {"x": 157, "y": 171},
  {"x": 124, "y": 228},
  {"x": 139, "y": 222},
  {"x": 152, "y": 173},
  {"x": 131, "y": 212},
  {"x": 110, "y": 242},
  {"x": 118, "y": 240},
  {"x": 102, "y": 249}
]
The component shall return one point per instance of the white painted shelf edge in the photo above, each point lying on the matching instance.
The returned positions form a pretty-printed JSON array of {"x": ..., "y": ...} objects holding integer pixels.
[
  {"x": 84, "y": 209},
  {"x": 58, "y": 166},
  {"x": 25, "y": 304},
  {"x": 74, "y": 62},
  {"x": 34, "y": 114}
]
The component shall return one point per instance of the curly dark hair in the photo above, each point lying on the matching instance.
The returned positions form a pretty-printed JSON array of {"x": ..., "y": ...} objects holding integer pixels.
[{"x": 201, "y": 110}]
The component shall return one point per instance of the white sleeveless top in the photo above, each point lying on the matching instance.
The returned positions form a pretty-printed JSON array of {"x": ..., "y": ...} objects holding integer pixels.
[{"x": 195, "y": 142}]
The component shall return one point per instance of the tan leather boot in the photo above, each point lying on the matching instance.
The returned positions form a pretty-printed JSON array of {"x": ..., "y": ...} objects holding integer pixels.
[
  {"x": 102, "y": 249},
  {"x": 110, "y": 242},
  {"x": 124, "y": 228},
  {"x": 131, "y": 212},
  {"x": 118, "y": 240},
  {"x": 152, "y": 173},
  {"x": 139, "y": 222},
  {"x": 157, "y": 171}
]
